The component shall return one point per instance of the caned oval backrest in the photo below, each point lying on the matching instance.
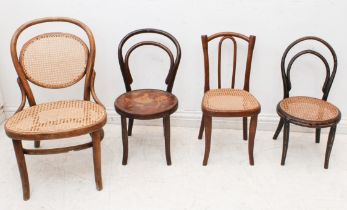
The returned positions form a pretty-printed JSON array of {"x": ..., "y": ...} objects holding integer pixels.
[
  {"x": 330, "y": 75},
  {"x": 124, "y": 61},
  {"x": 54, "y": 60},
  {"x": 233, "y": 37}
]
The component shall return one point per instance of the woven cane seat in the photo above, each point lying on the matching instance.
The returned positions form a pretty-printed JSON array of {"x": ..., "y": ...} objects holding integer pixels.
[
  {"x": 233, "y": 101},
  {"x": 54, "y": 60},
  {"x": 146, "y": 104},
  {"x": 309, "y": 109},
  {"x": 56, "y": 120}
]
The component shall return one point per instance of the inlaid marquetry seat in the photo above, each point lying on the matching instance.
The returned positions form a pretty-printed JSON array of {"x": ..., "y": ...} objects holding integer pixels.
[
  {"x": 146, "y": 103},
  {"x": 310, "y": 110},
  {"x": 227, "y": 100},
  {"x": 55, "y": 119}
]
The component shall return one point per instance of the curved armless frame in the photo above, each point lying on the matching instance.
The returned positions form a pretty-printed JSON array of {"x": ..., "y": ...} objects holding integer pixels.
[
  {"x": 124, "y": 65},
  {"x": 90, "y": 73},
  {"x": 329, "y": 78},
  {"x": 227, "y": 35}
]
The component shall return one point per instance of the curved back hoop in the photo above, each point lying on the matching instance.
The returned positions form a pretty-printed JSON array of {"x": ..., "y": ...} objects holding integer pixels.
[
  {"x": 124, "y": 62},
  {"x": 330, "y": 75},
  {"x": 17, "y": 62},
  {"x": 224, "y": 36}
]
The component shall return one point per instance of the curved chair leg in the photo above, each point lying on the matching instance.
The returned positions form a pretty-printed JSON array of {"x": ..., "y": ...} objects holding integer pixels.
[
  {"x": 208, "y": 133},
  {"x": 318, "y": 135},
  {"x": 130, "y": 128},
  {"x": 125, "y": 140},
  {"x": 245, "y": 130},
  {"x": 167, "y": 139},
  {"x": 202, "y": 126},
  {"x": 96, "y": 138},
  {"x": 285, "y": 142},
  {"x": 18, "y": 149},
  {"x": 279, "y": 128},
  {"x": 329, "y": 146},
  {"x": 37, "y": 144},
  {"x": 252, "y": 131}
]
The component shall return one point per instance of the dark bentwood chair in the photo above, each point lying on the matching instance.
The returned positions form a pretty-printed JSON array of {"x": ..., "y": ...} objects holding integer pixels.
[
  {"x": 55, "y": 60},
  {"x": 228, "y": 102},
  {"x": 307, "y": 111},
  {"x": 146, "y": 104}
]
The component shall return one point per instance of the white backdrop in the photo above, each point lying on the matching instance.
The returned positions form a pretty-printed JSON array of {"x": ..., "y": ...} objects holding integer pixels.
[{"x": 275, "y": 23}]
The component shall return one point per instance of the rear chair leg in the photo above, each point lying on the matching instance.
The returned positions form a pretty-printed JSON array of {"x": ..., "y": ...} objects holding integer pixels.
[
  {"x": 318, "y": 135},
  {"x": 202, "y": 126},
  {"x": 329, "y": 146},
  {"x": 37, "y": 144},
  {"x": 208, "y": 133},
  {"x": 130, "y": 129},
  {"x": 18, "y": 149},
  {"x": 285, "y": 142},
  {"x": 167, "y": 139},
  {"x": 252, "y": 131},
  {"x": 279, "y": 128},
  {"x": 125, "y": 140},
  {"x": 245, "y": 130}
]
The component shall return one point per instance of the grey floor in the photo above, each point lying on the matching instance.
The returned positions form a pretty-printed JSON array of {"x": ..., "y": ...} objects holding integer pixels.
[{"x": 66, "y": 181}]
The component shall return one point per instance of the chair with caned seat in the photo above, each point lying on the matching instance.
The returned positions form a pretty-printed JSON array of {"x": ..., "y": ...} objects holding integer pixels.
[
  {"x": 55, "y": 60},
  {"x": 228, "y": 102},
  {"x": 308, "y": 111}
]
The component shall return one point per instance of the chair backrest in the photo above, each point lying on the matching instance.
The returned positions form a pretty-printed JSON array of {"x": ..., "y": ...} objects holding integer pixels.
[
  {"x": 53, "y": 60},
  {"x": 124, "y": 62},
  {"x": 329, "y": 77},
  {"x": 233, "y": 37}
]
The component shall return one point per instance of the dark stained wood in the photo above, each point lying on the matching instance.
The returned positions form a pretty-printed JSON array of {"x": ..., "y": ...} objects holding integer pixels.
[
  {"x": 146, "y": 104},
  {"x": 329, "y": 78},
  {"x": 252, "y": 131},
  {"x": 208, "y": 114},
  {"x": 329, "y": 146},
  {"x": 18, "y": 149},
  {"x": 27, "y": 94}
]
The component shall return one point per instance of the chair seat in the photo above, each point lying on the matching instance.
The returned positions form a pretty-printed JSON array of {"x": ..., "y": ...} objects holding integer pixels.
[
  {"x": 54, "y": 120},
  {"x": 146, "y": 104},
  {"x": 230, "y": 102},
  {"x": 308, "y": 110}
]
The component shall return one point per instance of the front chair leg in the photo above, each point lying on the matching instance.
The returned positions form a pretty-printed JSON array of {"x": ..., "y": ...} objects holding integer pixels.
[
  {"x": 208, "y": 133},
  {"x": 167, "y": 139},
  {"x": 130, "y": 129},
  {"x": 37, "y": 144},
  {"x": 245, "y": 130},
  {"x": 96, "y": 138},
  {"x": 285, "y": 142},
  {"x": 18, "y": 149},
  {"x": 252, "y": 131},
  {"x": 279, "y": 128},
  {"x": 329, "y": 146},
  {"x": 202, "y": 126},
  {"x": 125, "y": 140},
  {"x": 318, "y": 135}
]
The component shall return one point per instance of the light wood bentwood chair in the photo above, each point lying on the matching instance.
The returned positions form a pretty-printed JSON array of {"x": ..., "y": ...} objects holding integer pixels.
[
  {"x": 308, "y": 111},
  {"x": 147, "y": 104},
  {"x": 55, "y": 60},
  {"x": 228, "y": 102}
]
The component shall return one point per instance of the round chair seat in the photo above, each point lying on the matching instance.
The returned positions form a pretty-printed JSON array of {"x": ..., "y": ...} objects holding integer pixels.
[
  {"x": 55, "y": 120},
  {"x": 307, "y": 110},
  {"x": 234, "y": 102},
  {"x": 146, "y": 104}
]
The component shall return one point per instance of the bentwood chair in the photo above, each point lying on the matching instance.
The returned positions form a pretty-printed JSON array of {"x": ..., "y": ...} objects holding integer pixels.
[
  {"x": 55, "y": 60},
  {"x": 307, "y": 111},
  {"x": 147, "y": 104},
  {"x": 228, "y": 102}
]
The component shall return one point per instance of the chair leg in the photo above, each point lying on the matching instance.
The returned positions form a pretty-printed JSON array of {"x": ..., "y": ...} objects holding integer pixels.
[
  {"x": 130, "y": 128},
  {"x": 329, "y": 146},
  {"x": 208, "y": 132},
  {"x": 318, "y": 135},
  {"x": 252, "y": 131},
  {"x": 285, "y": 142},
  {"x": 245, "y": 130},
  {"x": 96, "y": 138},
  {"x": 125, "y": 140},
  {"x": 279, "y": 128},
  {"x": 37, "y": 144},
  {"x": 202, "y": 126},
  {"x": 167, "y": 139},
  {"x": 18, "y": 149}
]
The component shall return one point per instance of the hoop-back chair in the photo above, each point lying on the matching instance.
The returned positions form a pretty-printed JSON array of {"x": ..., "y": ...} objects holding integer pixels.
[
  {"x": 228, "y": 102},
  {"x": 55, "y": 60},
  {"x": 307, "y": 111},
  {"x": 147, "y": 104}
]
